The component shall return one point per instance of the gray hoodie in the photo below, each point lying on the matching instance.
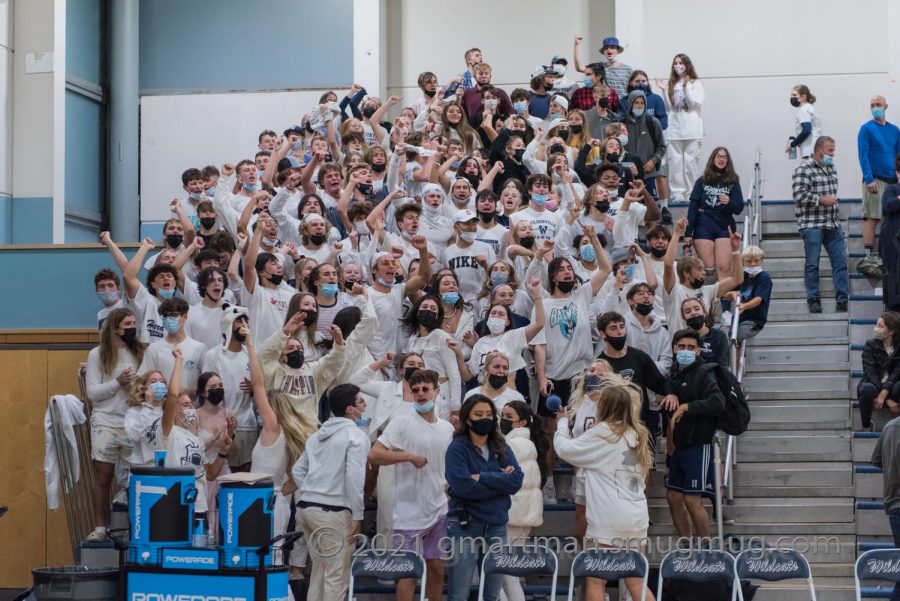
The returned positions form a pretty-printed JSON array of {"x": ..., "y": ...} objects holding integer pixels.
[
  {"x": 645, "y": 136},
  {"x": 887, "y": 458},
  {"x": 332, "y": 468}
]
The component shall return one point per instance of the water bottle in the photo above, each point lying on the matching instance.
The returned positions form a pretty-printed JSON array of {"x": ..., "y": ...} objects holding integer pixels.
[
  {"x": 199, "y": 539},
  {"x": 792, "y": 153}
]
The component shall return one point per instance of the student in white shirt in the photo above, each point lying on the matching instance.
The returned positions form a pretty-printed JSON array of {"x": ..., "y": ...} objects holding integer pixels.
[
  {"x": 489, "y": 231},
  {"x": 203, "y": 318},
  {"x": 467, "y": 258},
  {"x": 428, "y": 339},
  {"x": 265, "y": 292},
  {"x": 807, "y": 127},
  {"x": 159, "y": 356},
  {"x": 107, "y": 286},
  {"x": 144, "y": 301},
  {"x": 435, "y": 223},
  {"x": 544, "y": 224},
  {"x": 495, "y": 374}
]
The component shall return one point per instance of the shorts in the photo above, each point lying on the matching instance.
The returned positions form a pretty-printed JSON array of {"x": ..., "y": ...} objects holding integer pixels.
[
  {"x": 426, "y": 542},
  {"x": 747, "y": 330},
  {"x": 872, "y": 200},
  {"x": 242, "y": 450},
  {"x": 110, "y": 444},
  {"x": 707, "y": 228},
  {"x": 691, "y": 471}
]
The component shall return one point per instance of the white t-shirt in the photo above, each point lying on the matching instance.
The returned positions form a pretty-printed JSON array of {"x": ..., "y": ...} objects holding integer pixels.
[
  {"x": 389, "y": 309},
  {"x": 493, "y": 237},
  {"x": 680, "y": 293},
  {"x": 625, "y": 230},
  {"x": 567, "y": 333},
  {"x": 146, "y": 310},
  {"x": 807, "y": 114},
  {"x": 469, "y": 272},
  {"x": 233, "y": 368},
  {"x": 109, "y": 398},
  {"x": 419, "y": 497},
  {"x": 507, "y": 396},
  {"x": 268, "y": 308},
  {"x": 409, "y": 251},
  {"x": 159, "y": 357},
  {"x": 203, "y": 325},
  {"x": 511, "y": 344},
  {"x": 184, "y": 449},
  {"x": 545, "y": 224}
]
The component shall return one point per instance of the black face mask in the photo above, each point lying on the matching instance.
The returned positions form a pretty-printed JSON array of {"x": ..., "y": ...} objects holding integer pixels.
[
  {"x": 554, "y": 148},
  {"x": 795, "y": 101},
  {"x": 174, "y": 240},
  {"x": 696, "y": 284},
  {"x": 318, "y": 239},
  {"x": 368, "y": 111},
  {"x": 295, "y": 359},
  {"x": 486, "y": 217},
  {"x": 236, "y": 335},
  {"x": 429, "y": 319},
  {"x": 602, "y": 205},
  {"x": 563, "y": 133},
  {"x": 644, "y": 309},
  {"x": 128, "y": 335},
  {"x": 565, "y": 287},
  {"x": 378, "y": 167},
  {"x": 603, "y": 103},
  {"x": 506, "y": 425},
  {"x": 275, "y": 279},
  {"x": 658, "y": 253},
  {"x": 364, "y": 189},
  {"x": 497, "y": 382},
  {"x": 527, "y": 241},
  {"x": 696, "y": 322},
  {"x": 473, "y": 179},
  {"x": 430, "y": 94},
  {"x": 208, "y": 222},
  {"x": 576, "y": 129},
  {"x": 519, "y": 153},
  {"x": 215, "y": 395},
  {"x": 482, "y": 427},
  {"x": 616, "y": 342},
  {"x": 408, "y": 372},
  {"x": 612, "y": 157},
  {"x": 310, "y": 318},
  {"x": 348, "y": 285}
]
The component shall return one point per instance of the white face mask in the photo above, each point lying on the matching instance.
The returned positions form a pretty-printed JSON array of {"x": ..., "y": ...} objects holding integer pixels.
[
  {"x": 490, "y": 103},
  {"x": 753, "y": 270},
  {"x": 188, "y": 417},
  {"x": 467, "y": 237},
  {"x": 431, "y": 211},
  {"x": 613, "y": 194},
  {"x": 679, "y": 69}
]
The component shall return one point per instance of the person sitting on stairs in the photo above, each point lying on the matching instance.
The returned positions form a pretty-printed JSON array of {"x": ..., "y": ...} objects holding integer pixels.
[{"x": 880, "y": 385}]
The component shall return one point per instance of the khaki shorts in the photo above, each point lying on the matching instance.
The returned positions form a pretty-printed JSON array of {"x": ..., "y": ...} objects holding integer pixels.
[
  {"x": 872, "y": 200},
  {"x": 109, "y": 444},
  {"x": 242, "y": 449}
]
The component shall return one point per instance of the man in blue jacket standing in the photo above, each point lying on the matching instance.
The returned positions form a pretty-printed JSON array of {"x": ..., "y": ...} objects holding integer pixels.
[{"x": 878, "y": 143}]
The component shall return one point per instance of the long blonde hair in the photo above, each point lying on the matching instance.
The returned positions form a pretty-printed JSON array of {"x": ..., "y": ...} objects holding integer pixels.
[
  {"x": 296, "y": 426},
  {"x": 109, "y": 352},
  {"x": 616, "y": 408}
]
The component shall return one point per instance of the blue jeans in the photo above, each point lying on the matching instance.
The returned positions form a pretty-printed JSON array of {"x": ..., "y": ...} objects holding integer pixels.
[
  {"x": 894, "y": 517},
  {"x": 465, "y": 555},
  {"x": 833, "y": 240}
]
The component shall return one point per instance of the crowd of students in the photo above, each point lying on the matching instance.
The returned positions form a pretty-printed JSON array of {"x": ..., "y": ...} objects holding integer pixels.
[{"x": 376, "y": 310}]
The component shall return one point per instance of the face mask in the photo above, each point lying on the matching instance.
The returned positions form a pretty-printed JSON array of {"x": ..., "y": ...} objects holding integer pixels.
[
  {"x": 364, "y": 189},
  {"x": 275, "y": 279},
  {"x": 827, "y": 160},
  {"x": 195, "y": 196},
  {"x": 208, "y": 222},
  {"x": 128, "y": 335},
  {"x": 165, "y": 294},
  {"x": 496, "y": 325},
  {"x": 273, "y": 242},
  {"x": 878, "y": 334},
  {"x": 310, "y": 318},
  {"x": 188, "y": 417},
  {"x": 498, "y": 278},
  {"x": 753, "y": 270},
  {"x": 644, "y": 309},
  {"x": 603, "y": 103},
  {"x": 565, "y": 287},
  {"x": 473, "y": 179},
  {"x": 613, "y": 194},
  {"x": 506, "y": 425},
  {"x": 551, "y": 205},
  {"x": 553, "y": 116},
  {"x": 658, "y": 253},
  {"x": 368, "y": 111},
  {"x": 527, "y": 241},
  {"x": 330, "y": 290},
  {"x": 259, "y": 176},
  {"x": 295, "y": 359},
  {"x": 378, "y": 167},
  {"x": 795, "y": 102},
  {"x": 384, "y": 282},
  {"x": 697, "y": 284},
  {"x": 593, "y": 381},
  {"x": 210, "y": 192},
  {"x": 520, "y": 107},
  {"x": 878, "y": 113},
  {"x": 616, "y": 342},
  {"x": 558, "y": 148},
  {"x": 408, "y": 372},
  {"x": 174, "y": 240},
  {"x": 587, "y": 82},
  {"x": 159, "y": 390},
  {"x": 172, "y": 324},
  {"x": 629, "y": 271},
  {"x": 450, "y": 298},
  {"x": 679, "y": 69},
  {"x": 519, "y": 153},
  {"x": 540, "y": 199},
  {"x": 482, "y": 427},
  {"x": 588, "y": 253},
  {"x": 612, "y": 157},
  {"x": 637, "y": 112},
  {"x": 250, "y": 188},
  {"x": 485, "y": 216},
  {"x": 576, "y": 129},
  {"x": 430, "y": 93},
  {"x": 602, "y": 205},
  {"x": 236, "y": 335},
  {"x": 108, "y": 297},
  {"x": 423, "y": 408},
  {"x": 685, "y": 358},
  {"x": 623, "y": 140},
  {"x": 297, "y": 145},
  {"x": 428, "y": 319},
  {"x": 215, "y": 395},
  {"x": 696, "y": 322},
  {"x": 468, "y": 237},
  {"x": 317, "y": 239},
  {"x": 490, "y": 104},
  {"x": 362, "y": 422},
  {"x": 563, "y": 133}
]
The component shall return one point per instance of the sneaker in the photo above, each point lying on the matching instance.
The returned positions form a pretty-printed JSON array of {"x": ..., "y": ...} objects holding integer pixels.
[
  {"x": 841, "y": 307},
  {"x": 815, "y": 306},
  {"x": 665, "y": 217},
  {"x": 121, "y": 498},
  {"x": 726, "y": 319},
  {"x": 97, "y": 536}
]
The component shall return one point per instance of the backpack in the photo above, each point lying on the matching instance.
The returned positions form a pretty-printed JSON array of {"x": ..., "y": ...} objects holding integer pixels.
[{"x": 735, "y": 418}]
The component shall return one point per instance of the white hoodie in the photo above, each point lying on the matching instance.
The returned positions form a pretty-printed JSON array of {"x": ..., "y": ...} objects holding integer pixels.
[
  {"x": 655, "y": 340},
  {"x": 332, "y": 468},
  {"x": 527, "y": 509}
]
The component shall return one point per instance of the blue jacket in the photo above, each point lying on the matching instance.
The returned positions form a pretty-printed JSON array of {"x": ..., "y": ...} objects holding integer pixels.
[
  {"x": 705, "y": 199},
  {"x": 487, "y": 499},
  {"x": 878, "y": 145}
]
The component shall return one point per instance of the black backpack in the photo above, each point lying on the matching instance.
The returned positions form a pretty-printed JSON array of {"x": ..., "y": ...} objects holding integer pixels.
[{"x": 736, "y": 417}]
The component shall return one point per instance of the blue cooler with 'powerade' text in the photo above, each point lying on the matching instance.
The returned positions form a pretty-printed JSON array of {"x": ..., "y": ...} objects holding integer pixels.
[
  {"x": 160, "y": 510},
  {"x": 245, "y": 522}
]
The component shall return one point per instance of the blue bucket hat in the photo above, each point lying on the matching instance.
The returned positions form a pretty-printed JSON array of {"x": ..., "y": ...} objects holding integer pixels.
[{"x": 611, "y": 42}]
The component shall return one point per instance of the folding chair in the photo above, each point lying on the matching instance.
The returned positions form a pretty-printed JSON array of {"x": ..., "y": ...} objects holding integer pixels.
[
  {"x": 774, "y": 565},
  {"x": 699, "y": 565},
  {"x": 387, "y": 565},
  {"x": 878, "y": 564},
  {"x": 530, "y": 560},
  {"x": 609, "y": 564}
]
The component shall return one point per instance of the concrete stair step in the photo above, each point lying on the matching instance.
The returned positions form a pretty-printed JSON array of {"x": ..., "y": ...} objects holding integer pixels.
[
  {"x": 809, "y": 395},
  {"x": 859, "y": 284},
  {"x": 801, "y": 446},
  {"x": 871, "y": 519},
  {"x": 776, "y": 368},
  {"x": 760, "y": 385},
  {"x": 863, "y": 444},
  {"x": 794, "y": 415},
  {"x": 791, "y": 510},
  {"x": 868, "y": 482},
  {"x": 798, "y": 329},
  {"x": 793, "y": 287},
  {"x": 796, "y": 354},
  {"x": 793, "y": 474}
]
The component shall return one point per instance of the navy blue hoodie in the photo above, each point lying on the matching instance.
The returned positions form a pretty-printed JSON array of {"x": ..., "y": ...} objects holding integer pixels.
[{"x": 487, "y": 499}]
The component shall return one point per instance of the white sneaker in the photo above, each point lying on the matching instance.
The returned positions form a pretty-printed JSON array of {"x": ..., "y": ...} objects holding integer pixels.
[
  {"x": 97, "y": 536},
  {"x": 549, "y": 492},
  {"x": 121, "y": 497},
  {"x": 726, "y": 319}
]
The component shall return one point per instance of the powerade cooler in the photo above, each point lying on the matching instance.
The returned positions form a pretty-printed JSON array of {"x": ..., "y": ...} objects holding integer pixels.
[
  {"x": 245, "y": 522},
  {"x": 161, "y": 511}
]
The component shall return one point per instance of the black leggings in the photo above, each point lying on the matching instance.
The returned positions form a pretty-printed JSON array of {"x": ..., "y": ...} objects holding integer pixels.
[{"x": 866, "y": 393}]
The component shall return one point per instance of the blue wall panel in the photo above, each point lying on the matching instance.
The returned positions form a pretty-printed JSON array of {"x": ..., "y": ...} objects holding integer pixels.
[
  {"x": 233, "y": 45},
  {"x": 84, "y": 40},
  {"x": 32, "y": 221},
  {"x": 5, "y": 219},
  {"x": 85, "y": 141}
]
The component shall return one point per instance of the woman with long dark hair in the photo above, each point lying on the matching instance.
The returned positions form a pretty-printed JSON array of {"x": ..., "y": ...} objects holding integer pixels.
[
  {"x": 684, "y": 97},
  {"x": 880, "y": 384},
  {"x": 482, "y": 475},
  {"x": 427, "y": 339}
]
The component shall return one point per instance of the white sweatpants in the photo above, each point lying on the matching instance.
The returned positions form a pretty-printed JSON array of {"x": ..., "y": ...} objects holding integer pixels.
[{"x": 683, "y": 158}]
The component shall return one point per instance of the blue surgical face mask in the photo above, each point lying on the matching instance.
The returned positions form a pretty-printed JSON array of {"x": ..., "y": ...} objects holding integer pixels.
[
  {"x": 540, "y": 199},
  {"x": 330, "y": 290},
  {"x": 498, "y": 278},
  {"x": 387, "y": 283},
  {"x": 297, "y": 145},
  {"x": 685, "y": 358},
  {"x": 423, "y": 408},
  {"x": 588, "y": 253},
  {"x": 108, "y": 297},
  {"x": 172, "y": 324},
  {"x": 250, "y": 187},
  {"x": 195, "y": 196},
  {"x": 629, "y": 271},
  {"x": 159, "y": 390},
  {"x": 637, "y": 112},
  {"x": 588, "y": 82},
  {"x": 259, "y": 174},
  {"x": 362, "y": 422},
  {"x": 554, "y": 116},
  {"x": 520, "y": 107},
  {"x": 166, "y": 294},
  {"x": 827, "y": 160},
  {"x": 877, "y": 112},
  {"x": 450, "y": 298},
  {"x": 211, "y": 191}
]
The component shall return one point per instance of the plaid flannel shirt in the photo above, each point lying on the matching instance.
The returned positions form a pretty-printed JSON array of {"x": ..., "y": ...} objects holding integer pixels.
[{"x": 810, "y": 182}]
